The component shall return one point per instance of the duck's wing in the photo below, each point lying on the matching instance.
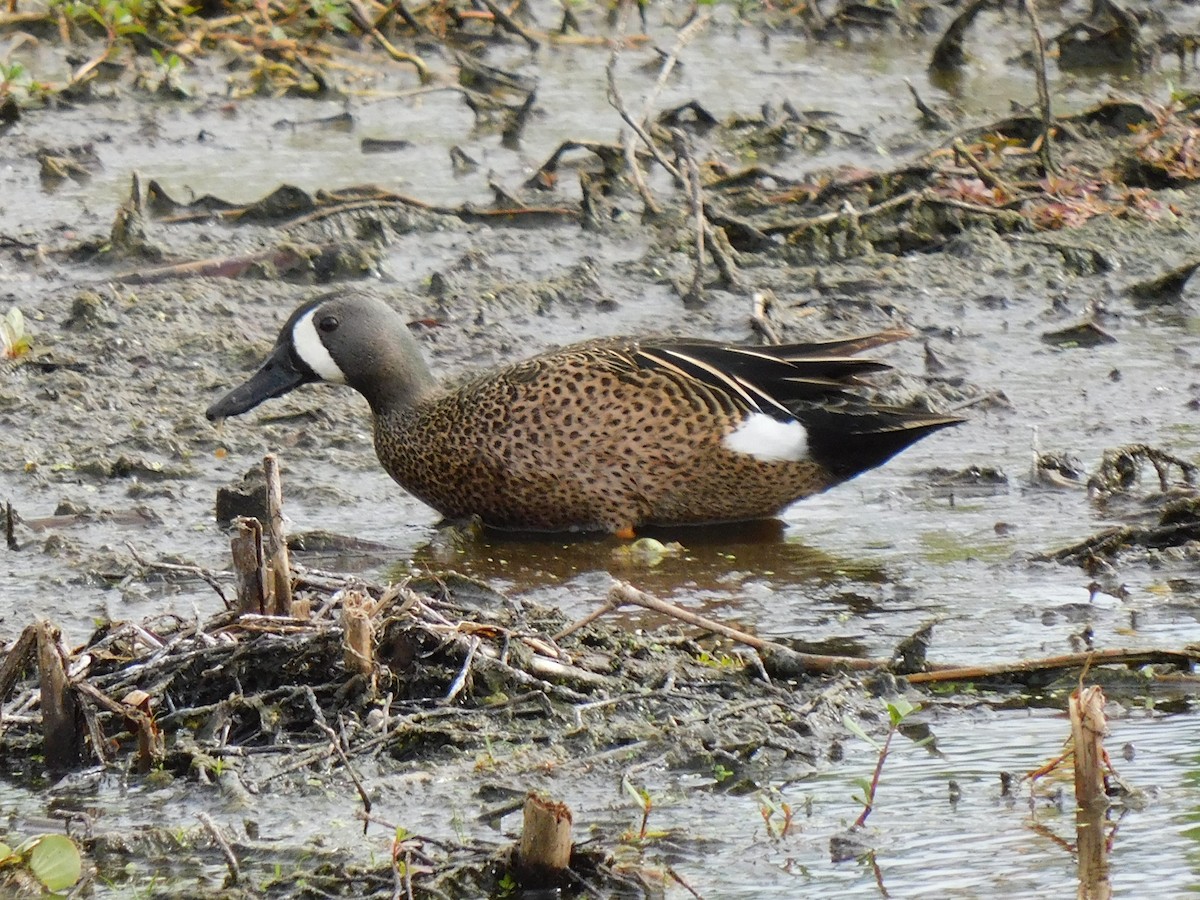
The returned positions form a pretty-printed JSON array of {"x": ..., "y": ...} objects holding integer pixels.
[
  {"x": 810, "y": 384},
  {"x": 777, "y": 380}
]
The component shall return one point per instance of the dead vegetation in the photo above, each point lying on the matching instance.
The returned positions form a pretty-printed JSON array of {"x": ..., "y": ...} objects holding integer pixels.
[{"x": 348, "y": 676}]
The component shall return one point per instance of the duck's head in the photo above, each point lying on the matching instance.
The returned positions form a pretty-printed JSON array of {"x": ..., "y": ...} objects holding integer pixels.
[{"x": 354, "y": 340}]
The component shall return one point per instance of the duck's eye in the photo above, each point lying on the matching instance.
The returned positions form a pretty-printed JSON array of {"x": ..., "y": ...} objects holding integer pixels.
[{"x": 328, "y": 324}]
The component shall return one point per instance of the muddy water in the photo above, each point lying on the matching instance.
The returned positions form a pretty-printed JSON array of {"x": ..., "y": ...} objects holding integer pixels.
[{"x": 854, "y": 570}]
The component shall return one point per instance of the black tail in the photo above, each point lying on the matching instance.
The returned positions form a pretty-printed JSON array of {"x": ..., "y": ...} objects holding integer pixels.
[{"x": 850, "y": 440}]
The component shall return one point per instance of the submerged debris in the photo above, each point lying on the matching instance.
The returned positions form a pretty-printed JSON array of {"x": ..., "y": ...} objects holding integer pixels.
[{"x": 1175, "y": 506}]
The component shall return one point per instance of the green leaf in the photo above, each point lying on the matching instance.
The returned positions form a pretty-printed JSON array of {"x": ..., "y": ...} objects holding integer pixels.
[
  {"x": 55, "y": 861},
  {"x": 900, "y": 709},
  {"x": 854, "y": 728}
]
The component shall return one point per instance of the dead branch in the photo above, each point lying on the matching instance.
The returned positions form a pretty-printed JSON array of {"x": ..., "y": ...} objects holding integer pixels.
[{"x": 1185, "y": 658}]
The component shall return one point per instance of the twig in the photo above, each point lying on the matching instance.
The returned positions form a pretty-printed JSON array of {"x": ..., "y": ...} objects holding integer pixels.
[
  {"x": 836, "y": 215},
  {"x": 9, "y": 536},
  {"x": 760, "y": 316},
  {"x": 687, "y": 164},
  {"x": 722, "y": 254},
  {"x": 931, "y": 115},
  {"x": 614, "y": 98},
  {"x": 509, "y": 24},
  {"x": 679, "y": 880},
  {"x": 203, "y": 574},
  {"x": 231, "y": 862},
  {"x": 986, "y": 175},
  {"x": 1043, "y": 89},
  {"x": 335, "y": 742},
  {"x": 362, "y": 19},
  {"x": 685, "y": 35},
  {"x": 631, "y": 163},
  {"x": 397, "y": 6}
]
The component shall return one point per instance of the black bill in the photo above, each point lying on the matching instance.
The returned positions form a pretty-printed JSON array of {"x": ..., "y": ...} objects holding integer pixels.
[{"x": 281, "y": 373}]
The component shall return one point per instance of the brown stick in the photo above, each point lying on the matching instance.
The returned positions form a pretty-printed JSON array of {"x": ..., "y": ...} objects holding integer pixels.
[
  {"x": 1185, "y": 658},
  {"x": 986, "y": 175},
  {"x": 62, "y": 722},
  {"x": 545, "y": 850},
  {"x": 9, "y": 536},
  {"x": 782, "y": 656},
  {"x": 631, "y": 162},
  {"x": 279, "y": 566},
  {"x": 363, "y": 20}
]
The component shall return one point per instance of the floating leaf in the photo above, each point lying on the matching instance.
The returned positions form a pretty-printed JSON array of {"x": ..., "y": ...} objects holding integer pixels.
[{"x": 55, "y": 861}]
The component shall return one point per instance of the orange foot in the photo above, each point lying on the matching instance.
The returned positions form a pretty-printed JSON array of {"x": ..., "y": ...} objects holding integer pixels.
[{"x": 626, "y": 533}]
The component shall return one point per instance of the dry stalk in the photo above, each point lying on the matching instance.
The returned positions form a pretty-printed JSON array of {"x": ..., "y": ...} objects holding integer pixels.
[
  {"x": 1043, "y": 89},
  {"x": 231, "y": 860},
  {"x": 1088, "y": 729}
]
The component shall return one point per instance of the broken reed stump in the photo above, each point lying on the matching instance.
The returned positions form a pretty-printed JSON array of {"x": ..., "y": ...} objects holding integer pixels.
[
  {"x": 1088, "y": 728},
  {"x": 260, "y": 554},
  {"x": 246, "y": 546},
  {"x": 358, "y": 635},
  {"x": 62, "y": 719},
  {"x": 545, "y": 852},
  {"x": 279, "y": 566}
]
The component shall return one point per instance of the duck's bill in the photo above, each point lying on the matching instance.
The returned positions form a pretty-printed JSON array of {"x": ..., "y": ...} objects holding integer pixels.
[{"x": 278, "y": 375}]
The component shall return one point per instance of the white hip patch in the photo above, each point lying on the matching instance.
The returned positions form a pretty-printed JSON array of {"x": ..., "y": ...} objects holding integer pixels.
[
  {"x": 311, "y": 349},
  {"x": 769, "y": 440}
]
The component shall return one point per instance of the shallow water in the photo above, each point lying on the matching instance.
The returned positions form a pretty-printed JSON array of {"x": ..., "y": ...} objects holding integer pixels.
[{"x": 981, "y": 845}]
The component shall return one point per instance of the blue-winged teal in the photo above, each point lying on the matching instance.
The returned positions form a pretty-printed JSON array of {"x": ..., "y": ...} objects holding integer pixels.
[{"x": 600, "y": 436}]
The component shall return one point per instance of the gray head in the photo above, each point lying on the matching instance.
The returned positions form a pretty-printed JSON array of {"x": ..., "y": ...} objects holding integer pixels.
[{"x": 354, "y": 340}]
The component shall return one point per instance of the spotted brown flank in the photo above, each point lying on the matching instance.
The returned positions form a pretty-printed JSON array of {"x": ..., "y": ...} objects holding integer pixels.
[{"x": 606, "y": 435}]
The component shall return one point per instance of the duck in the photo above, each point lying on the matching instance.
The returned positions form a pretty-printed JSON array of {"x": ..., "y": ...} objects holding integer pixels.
[{"x": 609, "y": 435}]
